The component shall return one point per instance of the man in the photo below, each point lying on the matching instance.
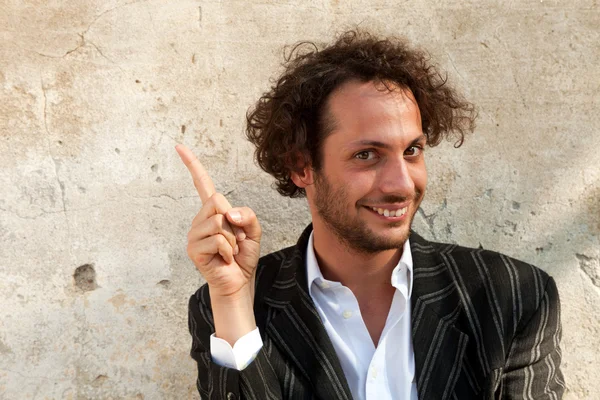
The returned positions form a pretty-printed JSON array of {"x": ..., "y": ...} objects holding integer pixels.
[{"x": 361, "y": 307}]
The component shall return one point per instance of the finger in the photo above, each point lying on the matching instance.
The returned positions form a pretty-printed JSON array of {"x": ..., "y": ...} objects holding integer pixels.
[
  {"x": 245, "y": 218},
  {"x": 204, "y": 185},
  {"x": 203, "y": 251},
  {"x": 217, "y": 204},
  {"x": 217, "y": 224}
]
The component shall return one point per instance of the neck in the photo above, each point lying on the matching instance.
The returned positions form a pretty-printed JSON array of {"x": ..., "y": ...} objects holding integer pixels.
[{"x": 353, "y": 269}]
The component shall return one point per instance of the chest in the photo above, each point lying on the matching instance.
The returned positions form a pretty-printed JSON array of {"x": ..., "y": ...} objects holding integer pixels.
[
  {"x": 375, "y": 316},
  {"x": 375, "y": 311}
]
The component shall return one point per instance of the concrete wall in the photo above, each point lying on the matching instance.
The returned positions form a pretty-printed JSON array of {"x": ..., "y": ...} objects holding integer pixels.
[{"x": 95, "y": 204}]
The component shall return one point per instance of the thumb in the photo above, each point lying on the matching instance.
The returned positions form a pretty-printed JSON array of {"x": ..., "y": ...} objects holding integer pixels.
[{"x": 245, "y": 218}]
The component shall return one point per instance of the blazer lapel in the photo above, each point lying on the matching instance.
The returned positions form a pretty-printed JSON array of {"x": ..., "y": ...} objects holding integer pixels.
[
  {"x": 439, "y": 346},
  {"x": 297, "y": 330}
]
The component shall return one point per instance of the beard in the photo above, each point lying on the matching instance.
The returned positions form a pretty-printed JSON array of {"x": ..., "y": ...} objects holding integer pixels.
[{"x": 352, "y": 231}]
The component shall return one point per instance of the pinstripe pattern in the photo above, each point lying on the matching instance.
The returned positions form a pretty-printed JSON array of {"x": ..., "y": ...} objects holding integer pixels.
[
  {"x": 469, "y": 308},
  {"x": 485, "y": 326}
]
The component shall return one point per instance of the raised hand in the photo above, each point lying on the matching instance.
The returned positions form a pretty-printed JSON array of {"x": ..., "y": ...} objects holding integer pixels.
[{"x": 224, "y": 245}]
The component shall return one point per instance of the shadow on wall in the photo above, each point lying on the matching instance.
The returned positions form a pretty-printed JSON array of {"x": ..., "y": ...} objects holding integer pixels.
[{"x": 572, "y": 228}]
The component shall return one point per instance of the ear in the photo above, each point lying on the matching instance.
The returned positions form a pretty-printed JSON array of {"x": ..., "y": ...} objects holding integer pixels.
[{"x": 303, "y": 177}]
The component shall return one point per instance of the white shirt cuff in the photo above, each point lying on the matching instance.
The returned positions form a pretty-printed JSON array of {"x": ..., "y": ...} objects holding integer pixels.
[{"x": 239, "y": 356}]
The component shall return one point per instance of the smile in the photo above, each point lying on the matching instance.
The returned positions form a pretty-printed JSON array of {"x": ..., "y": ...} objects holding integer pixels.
[{"x": 390, "y": 213}]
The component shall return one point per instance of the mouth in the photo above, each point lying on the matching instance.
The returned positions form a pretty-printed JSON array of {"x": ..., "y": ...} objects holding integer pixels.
[{"x": 392, "y": 214}]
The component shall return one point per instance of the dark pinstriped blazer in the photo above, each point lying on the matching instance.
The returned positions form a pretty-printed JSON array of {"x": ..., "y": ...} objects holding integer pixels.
[{"x": 484, "y": 326}]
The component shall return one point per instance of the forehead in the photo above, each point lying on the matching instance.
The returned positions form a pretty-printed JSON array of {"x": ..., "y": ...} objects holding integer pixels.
[{"x": 366, "y": 106}]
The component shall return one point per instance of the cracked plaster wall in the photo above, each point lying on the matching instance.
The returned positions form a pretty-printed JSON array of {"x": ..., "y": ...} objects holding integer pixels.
[{"x": 95, "y": 205}]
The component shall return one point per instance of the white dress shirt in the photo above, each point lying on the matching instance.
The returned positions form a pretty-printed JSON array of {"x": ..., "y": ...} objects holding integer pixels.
[{"x": 373, "y": 373}]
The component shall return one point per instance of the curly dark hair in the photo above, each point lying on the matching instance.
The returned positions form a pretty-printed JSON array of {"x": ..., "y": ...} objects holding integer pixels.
[{"x": 289, "y": 123}]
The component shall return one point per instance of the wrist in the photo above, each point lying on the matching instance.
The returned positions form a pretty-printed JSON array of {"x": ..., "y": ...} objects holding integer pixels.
[
  {"x": 232, "y": 299},
  {"x": 233, "y": 314}
]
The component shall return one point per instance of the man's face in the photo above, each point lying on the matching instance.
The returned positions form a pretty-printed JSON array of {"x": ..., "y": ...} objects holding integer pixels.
[{"x": 372, "y": 176}]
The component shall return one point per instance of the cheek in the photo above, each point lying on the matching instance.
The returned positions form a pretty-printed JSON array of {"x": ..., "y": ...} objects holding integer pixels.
[
  {"x": 419, "y": 176},
  {"x": 361, "y": 186}
]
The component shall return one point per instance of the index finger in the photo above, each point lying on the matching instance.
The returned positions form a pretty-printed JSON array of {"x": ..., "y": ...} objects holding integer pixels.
[{"x": 204, "y": 185}]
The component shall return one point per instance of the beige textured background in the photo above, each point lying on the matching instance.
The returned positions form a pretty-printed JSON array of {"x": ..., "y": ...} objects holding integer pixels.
[{"x": 95, "y": 94}]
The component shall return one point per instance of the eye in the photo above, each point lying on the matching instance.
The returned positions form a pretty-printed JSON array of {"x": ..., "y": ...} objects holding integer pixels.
[
  {"x": 413, "y": 151},
  {"x": 365, "y": 155}
]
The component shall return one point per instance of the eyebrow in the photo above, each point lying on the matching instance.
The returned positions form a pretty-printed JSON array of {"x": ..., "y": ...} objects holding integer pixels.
[{"x": 376, "y": 143}]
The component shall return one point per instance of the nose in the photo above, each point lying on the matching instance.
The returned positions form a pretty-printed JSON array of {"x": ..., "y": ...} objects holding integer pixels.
[{"x": 396, "y": 178}]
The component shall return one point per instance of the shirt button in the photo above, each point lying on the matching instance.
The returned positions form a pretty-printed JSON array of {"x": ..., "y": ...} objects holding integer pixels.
[
  {"x": 373, "y": 372},
  {"x": 347, "y": 314},
  {"x": 324, "y": 285}
]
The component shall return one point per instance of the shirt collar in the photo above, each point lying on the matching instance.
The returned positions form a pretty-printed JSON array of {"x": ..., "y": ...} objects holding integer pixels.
[{"x": 401, "y": 275}]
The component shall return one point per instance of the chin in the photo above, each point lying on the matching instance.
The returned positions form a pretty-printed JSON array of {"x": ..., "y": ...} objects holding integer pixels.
[{"x": 371, "y": 242}]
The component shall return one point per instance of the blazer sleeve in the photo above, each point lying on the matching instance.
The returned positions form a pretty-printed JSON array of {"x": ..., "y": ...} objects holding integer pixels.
[
  {"x": 257, "y": 381},
  {"x": 532, "y": 370}
]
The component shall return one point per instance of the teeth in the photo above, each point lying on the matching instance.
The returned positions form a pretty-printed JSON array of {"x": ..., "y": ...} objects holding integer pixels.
[{"x": 390, "y": 213}]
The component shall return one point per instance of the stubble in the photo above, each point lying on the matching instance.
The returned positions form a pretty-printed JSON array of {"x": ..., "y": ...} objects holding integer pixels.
[{"x": 330, "y": 202}]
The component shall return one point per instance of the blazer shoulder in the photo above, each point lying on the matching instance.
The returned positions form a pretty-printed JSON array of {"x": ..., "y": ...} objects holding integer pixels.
[
  {"x": 509, "y": 282},
  {"x": 488, "y": 261},
  {"x": 499, "y": 264},
  {"x": 523, "y": 283},
  {"x": 269, "y": 269}
]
